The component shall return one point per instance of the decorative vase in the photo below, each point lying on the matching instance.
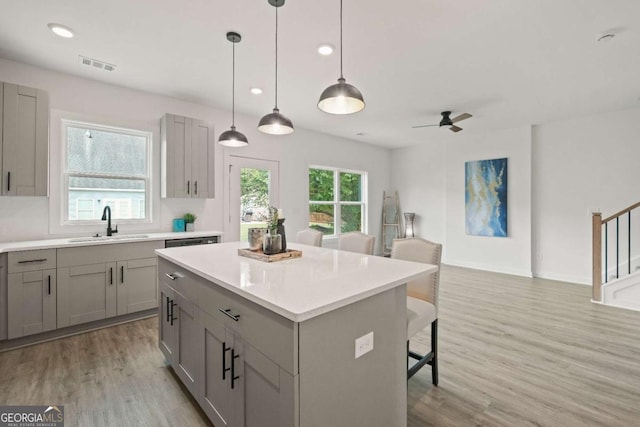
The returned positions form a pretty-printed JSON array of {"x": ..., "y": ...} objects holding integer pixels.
[
  {"x": 272, "y": 244},
  {"x": 280, "y": 231},
  {"x": 256, "y": 238},
  {"x": 190, "y": 226}
]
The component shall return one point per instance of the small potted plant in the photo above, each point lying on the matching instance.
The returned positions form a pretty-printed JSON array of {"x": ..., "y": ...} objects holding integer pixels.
[
  {"x": 272, "y": 243},
  {"x": 189, "y": 220}
]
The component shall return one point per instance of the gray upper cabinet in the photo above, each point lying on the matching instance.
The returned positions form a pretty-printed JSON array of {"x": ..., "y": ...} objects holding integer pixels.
[
  {"x": 24, "y": 143},
  {"x": 187, "y": 158}
]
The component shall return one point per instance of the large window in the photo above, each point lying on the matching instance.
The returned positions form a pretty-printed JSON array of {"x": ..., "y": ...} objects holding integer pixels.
[
  {"x": 105, "y": 166},
  {"x": 337, "y": 200}
]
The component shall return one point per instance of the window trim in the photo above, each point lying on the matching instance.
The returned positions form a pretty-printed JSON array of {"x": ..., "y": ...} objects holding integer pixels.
[
  {"x": 66, "y": 174},
  {"x": 337, "y": 203}
]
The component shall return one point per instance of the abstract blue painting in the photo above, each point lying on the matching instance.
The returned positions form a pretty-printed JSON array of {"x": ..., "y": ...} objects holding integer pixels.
[{"x": 485, "y": 197}]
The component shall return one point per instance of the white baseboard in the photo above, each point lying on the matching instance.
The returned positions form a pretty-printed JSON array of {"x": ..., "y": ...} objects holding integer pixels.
[
  {"x": 564, "y": 278},
  {"x": 485, "y": 267}
]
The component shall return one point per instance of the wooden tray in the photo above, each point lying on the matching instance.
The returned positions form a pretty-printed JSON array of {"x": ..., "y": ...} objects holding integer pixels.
[{"x": 261, "y": 256}]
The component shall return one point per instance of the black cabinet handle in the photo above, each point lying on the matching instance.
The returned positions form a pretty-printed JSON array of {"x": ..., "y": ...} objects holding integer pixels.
[
  {"x": 111, "y": 275},
  {"x": 234, "y": 356},
  {"x": 49, "y": 280},
  {"x": 195, "y": 184},
  {"x": 173, "y": 304},
  {"x": 224, "y": 360},
  {"x": 227, "y": 312},
  {"x": 122, "y": 274},
  {"x": 27, "y": 261},
  {"x": 188, "y": 187},
  {"x": 168, "y": 308},
  {"x": 8, "y": 181}
]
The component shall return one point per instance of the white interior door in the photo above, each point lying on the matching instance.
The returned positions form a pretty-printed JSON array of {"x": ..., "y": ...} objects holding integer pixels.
[{"x": 253, "y": 185}]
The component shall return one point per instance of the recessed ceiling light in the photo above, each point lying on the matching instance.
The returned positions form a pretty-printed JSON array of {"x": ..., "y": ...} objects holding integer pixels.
[
  {"x": 325, "y": 49},
  {"x": 256, "y": 90},
  {"x": 61, "y": 30}
]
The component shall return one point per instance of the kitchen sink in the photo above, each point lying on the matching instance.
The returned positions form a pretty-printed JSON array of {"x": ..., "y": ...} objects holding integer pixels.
[{"x": 108, "y": 238}]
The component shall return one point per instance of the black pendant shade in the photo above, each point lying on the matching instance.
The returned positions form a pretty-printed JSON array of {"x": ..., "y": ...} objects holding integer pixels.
[{"x": 233, "y": 138}]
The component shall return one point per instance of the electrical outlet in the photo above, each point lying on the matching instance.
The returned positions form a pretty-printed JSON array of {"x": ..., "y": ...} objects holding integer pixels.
[{"x": 364, "y": 344}]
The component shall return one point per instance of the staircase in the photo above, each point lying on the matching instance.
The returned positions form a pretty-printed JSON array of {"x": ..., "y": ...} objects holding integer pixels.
[{"x": 616, "y": 258}]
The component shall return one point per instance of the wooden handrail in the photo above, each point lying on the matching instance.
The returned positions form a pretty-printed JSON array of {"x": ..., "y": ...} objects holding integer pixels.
[
  {"x": 622, "y": 212},
  {"x": 596, "y": 246}
]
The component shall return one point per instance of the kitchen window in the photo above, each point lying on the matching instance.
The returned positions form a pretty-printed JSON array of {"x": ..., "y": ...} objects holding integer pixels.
[
  {"x": 105, "y": 166},
  {"x": 337, "y": 200}
]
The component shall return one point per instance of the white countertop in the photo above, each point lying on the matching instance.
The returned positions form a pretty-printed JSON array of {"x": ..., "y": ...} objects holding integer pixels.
[
  {"x": 320, "y": 281},
  {"x": 103, "y": 240}
]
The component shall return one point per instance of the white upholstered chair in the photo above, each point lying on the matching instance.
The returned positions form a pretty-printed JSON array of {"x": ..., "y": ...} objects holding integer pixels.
[
  {"x": 422, "y": 299},
  {"x": 310, "y": 237},
  {"x": 356, "y": 241}
]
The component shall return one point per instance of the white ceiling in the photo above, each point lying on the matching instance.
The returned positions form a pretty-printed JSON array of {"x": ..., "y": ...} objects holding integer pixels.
[{"x": 507, "y": 62}]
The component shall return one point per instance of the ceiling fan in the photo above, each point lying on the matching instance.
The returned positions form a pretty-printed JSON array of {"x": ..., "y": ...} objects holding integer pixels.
[{"x": 448, "y": 121}]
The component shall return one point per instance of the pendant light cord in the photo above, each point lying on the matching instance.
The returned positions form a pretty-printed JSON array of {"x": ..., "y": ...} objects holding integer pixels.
[
  {"x": 233, "y": 86},
  {"x": 341, "y": 76},
  {"x": 276, "y": 106}
]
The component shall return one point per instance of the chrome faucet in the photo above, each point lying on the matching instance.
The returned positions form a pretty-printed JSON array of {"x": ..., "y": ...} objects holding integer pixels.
[{"x": 106, "y": 215}]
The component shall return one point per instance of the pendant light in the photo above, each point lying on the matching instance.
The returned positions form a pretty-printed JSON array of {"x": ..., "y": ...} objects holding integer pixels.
[
  {"x": 341, "y": 98},
  {"x": 275, "y": 123},
  {"x": 233, "y": 138}
]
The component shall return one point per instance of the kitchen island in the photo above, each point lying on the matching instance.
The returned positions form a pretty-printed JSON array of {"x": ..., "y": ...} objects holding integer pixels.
[{"x": 313, "y": 341}]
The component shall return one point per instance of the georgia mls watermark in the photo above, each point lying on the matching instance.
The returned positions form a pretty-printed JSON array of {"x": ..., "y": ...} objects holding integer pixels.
[{"x": 32, "y": 416}]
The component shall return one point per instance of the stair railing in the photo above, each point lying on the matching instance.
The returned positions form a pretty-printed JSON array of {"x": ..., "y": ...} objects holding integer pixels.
[{"x": 597, "y": 224}]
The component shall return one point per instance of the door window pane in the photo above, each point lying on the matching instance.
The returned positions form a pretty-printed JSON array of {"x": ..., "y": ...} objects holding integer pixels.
[{"x": 254, "y": 200}]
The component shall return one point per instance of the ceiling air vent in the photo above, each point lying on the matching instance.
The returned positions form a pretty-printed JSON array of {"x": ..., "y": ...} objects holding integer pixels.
[{"x": 96, "y": 63}]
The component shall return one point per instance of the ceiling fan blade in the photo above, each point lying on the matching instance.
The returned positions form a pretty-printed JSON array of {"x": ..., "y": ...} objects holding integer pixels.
[
  {"x": 462, "y": 116},
  {"x": 423, "y": 126},
  {"x": 455, "y": 128}
]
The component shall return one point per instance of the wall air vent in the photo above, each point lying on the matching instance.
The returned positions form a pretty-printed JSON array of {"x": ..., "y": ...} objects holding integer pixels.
[{"x": 96, "y": 63}]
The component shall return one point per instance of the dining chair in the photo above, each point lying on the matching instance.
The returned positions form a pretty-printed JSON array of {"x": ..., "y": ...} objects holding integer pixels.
[
  {"x": 356, "y": 241},
  {"x": 422, "y": 299},
  {"x": 310, "y": 237}
]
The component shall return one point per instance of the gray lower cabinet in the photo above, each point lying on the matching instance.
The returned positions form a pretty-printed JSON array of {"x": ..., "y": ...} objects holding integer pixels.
[
  {"x": 31, "y": 292},
  {"x": 98, "y": 282},
  {"x": 241, "y": 386},
  {"x": 235, "y": 383},
  {"x": 179, "y": 322}
]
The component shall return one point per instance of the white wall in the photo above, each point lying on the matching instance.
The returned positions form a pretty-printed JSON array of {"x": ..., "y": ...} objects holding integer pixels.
[
  {"x": 25, "y": 218},
  {"x": 581, "y": 164},
  {"x": 430, "y": 179},
  {"x": 511, "y": 254}
]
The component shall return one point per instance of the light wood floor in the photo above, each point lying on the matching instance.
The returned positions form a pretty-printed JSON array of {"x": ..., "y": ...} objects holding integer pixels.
[{"x": 513, "y": 352}]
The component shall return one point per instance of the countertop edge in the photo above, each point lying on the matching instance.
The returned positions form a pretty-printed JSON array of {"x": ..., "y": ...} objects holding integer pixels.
[
  {"x": 64, "y": 242},
  {"x": 293, "y": 316}
]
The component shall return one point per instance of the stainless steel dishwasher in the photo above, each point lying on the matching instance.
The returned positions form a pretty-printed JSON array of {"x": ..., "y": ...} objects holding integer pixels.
[{"x": 191, "y": 241}]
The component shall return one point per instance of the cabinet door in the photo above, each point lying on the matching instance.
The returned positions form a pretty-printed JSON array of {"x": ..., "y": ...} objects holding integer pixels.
[
  {"x": 176, "y": 134},
  {"x": 214, "y": 396},
  {"x": 137, "y": 285},
  {"x": 25, "y": 139},
  {"x": 32, "y": 302},
  {"x": 166, "y": 329},
  {"x": 187, "y": 366},
  {"x": 86, "y": 293},
  {"x": 264, "y": 395},
  {"x": 202, "y": 135}
]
